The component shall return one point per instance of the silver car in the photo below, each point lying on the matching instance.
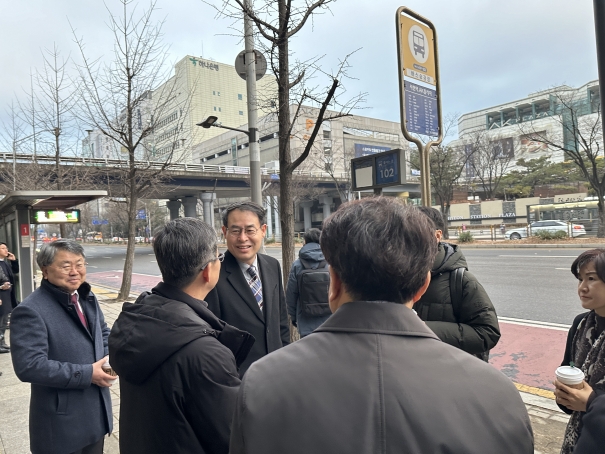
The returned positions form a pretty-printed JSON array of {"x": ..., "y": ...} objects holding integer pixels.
[{"x": 550, "y": 226}]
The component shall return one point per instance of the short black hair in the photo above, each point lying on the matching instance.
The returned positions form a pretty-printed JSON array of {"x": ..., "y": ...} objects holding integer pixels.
[
  {"x": 381, "y": 249},
  {"x": 255, "y": 208},
  {"x": 312, "y": 236},
  {"x": 182, "y": 248},
  {"x": 435, "y": 216},
  {"x": 596, "y": 256}
]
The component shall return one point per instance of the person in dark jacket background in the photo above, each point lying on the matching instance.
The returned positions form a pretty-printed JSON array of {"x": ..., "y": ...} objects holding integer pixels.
[
  {"x": 374, "y": 378},
  {"x": 177, "y": 362},
  {"x": 474, "y": 326},
  {"x": 5, "y": 309},
  {"x": 312, "y": 255},
  {"x": 10, "y": 266}
]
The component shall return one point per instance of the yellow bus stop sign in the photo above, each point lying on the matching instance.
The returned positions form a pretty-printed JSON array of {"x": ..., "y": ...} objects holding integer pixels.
[{"x": 418, "y": 47}]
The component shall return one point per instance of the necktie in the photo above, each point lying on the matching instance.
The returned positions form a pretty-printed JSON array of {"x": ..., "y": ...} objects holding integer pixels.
[
  {"x": 81, "y": 316},
  {"x": 256, "y": 287}
]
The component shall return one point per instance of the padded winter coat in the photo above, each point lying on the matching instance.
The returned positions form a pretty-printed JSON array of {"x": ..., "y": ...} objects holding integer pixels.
[
  {"x": 475, "y": 330},
  {"x": 178, "y": 373}
]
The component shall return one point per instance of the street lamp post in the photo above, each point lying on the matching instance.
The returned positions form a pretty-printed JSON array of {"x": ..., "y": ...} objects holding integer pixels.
[
  {"x": 255, "y": 178},
  {"x": 253, "y": 145}
]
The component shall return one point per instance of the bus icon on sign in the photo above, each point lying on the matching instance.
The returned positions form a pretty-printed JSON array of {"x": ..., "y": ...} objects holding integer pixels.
[{"x": 418, "y": 43}]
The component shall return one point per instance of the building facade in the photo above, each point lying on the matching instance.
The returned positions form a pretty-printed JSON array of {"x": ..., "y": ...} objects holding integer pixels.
[
  {"x": 338, "y": 141},
  {"x": 511, "y": 129},
  {"x": 199, "y": 88}
]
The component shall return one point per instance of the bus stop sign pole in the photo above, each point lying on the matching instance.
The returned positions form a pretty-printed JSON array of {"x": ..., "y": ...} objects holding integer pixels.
[{"x": 419, "y": 88}]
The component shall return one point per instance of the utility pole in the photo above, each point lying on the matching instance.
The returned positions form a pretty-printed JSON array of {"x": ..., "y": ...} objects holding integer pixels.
[
  {"x": 255, "y": 178},
  {"x": 599, "y": 25}
]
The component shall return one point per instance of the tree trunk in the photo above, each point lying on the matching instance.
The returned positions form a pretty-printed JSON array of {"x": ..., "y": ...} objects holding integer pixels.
[
  {"x": 59, "y": 175},
  {"x": 128, "y": 264},
  {"x": 446, "y": 214},
  {"x": 601, "y": 209},
  {"x": 285, "y": 156}
]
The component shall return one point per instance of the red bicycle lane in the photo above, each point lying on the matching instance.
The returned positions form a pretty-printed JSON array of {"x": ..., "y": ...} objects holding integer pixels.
[
  {"x": 529, "y": 352},
  {"x": 113, "y": 279}
]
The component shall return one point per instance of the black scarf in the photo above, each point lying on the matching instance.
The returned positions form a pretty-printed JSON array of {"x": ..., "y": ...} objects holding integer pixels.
[{"x": 588, "y": 353}]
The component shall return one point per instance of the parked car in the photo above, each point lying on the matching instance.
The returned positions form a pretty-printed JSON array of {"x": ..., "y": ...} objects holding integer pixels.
[{"x": 550, "y": 226}]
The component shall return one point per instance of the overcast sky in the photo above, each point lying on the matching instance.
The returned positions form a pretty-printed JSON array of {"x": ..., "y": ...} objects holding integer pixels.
[{"x": 491, "y": 51}]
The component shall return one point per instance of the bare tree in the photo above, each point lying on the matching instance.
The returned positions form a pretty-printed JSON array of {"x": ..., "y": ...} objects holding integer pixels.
[
  {"x": 579, "y": 135},
  {"x": 490, "y": 159},
  {"x": 119, "y": 100},
  {"x": 55, "y": 101},
  {"x": 278, "y": 21},
  {"x": 446, "y": 164}
]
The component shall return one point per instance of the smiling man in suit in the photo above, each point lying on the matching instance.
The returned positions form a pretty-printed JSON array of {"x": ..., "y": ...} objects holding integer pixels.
[{"x": 249, "y": 294}]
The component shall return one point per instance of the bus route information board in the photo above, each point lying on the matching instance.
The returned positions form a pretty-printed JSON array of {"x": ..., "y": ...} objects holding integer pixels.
[{"x": 421, "y": 113}]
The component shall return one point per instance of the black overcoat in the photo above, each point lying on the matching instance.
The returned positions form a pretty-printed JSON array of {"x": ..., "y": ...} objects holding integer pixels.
[
  {"x": 232, "y": 301},
  {"x": 54, "y": 352}
]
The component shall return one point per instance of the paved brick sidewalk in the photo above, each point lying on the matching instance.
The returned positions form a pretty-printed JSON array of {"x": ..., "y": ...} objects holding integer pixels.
[{"x": 547, "y": 420}]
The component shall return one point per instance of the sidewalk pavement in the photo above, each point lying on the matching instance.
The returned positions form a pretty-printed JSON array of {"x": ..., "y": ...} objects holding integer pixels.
[{"x": 547, "y": 419}]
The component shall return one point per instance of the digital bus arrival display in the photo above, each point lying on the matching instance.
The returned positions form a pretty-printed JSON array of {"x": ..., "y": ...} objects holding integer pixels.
[
  {"x": 56, "y": 217},
  {"x": 387, "y": 169}
]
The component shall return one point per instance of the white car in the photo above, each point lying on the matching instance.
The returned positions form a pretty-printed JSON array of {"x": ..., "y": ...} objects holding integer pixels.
[{"x": 550, "y": 226}]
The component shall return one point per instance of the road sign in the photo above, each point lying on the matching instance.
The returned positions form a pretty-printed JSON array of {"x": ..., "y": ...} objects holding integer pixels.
[
  {"x": 420, "y": 104},
  {"x": 421, "y": 111},
  {"x": 379, "y": 170},
  {"x": 241, "y": 69},
  {"x": 141, "y": 214},
  {"x": 418, "y": 46}
]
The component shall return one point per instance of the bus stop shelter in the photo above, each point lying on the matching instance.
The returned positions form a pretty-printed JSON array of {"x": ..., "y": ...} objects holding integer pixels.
[{"x": 15, "y": 221}]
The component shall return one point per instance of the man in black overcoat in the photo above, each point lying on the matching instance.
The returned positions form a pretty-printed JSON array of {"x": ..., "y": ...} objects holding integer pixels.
[{"x": 249, "y": 294}]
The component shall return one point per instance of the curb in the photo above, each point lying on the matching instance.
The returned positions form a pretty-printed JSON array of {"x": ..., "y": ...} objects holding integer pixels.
[{"x": 533, "y": 246}]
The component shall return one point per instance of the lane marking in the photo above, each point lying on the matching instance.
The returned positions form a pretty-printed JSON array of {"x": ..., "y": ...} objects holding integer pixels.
[
  {"x": 541, "y": 256},
  {"x": 107, "y": 257},
  {"x": 535, "y": 323}
]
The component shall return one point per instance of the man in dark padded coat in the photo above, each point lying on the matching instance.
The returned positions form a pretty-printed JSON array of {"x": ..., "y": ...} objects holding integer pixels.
[
  {"x": 473, "y": 325},
  {"x": 374, "y": 378},
  {"x": 177, "y": 362}
]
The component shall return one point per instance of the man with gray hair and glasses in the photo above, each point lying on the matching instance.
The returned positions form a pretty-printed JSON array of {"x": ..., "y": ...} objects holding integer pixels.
[
  {"x": 59, "y": 345},
  {"x": 176, "y": 360}
]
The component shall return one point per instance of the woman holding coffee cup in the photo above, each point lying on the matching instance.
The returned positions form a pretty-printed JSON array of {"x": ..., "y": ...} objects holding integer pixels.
[{"x": 581, "y": 376}]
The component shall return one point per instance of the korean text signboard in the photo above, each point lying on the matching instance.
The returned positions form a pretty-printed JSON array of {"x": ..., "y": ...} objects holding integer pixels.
[
  {"x": 419, "y": 88},
  {"x": 421, "y": 111},
  {"x": 418, "y": 47}
]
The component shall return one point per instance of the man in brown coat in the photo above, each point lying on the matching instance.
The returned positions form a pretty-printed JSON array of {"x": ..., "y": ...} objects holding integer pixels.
[{"x": 374, "y": 378}]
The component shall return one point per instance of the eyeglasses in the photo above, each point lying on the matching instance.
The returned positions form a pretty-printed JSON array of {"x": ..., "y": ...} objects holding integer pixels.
[
  {"x": 236, "y": 231},
  {"x": 219, "y": 257},
  {"x": 66, "y": 269}
]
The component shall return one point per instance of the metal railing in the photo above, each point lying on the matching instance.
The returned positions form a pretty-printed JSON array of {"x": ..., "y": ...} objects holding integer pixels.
[{"x": 157, "y": 165}]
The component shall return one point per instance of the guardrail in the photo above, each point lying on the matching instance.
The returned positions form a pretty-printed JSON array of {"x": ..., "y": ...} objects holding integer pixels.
[{"x": 157, "y": 165}]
